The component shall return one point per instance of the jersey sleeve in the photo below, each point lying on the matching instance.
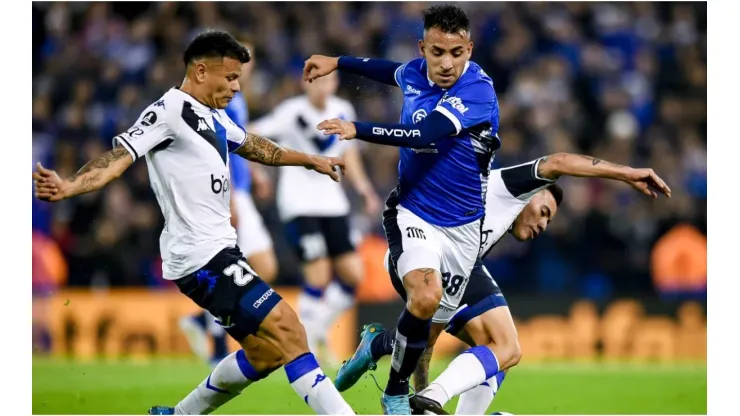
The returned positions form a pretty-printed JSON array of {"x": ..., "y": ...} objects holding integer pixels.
[
  {"x": 469, "y": 105},
  {"x": 235, "y": 134},
  {"x": 522, "y": 181},
  {"x": 152, "y": 129},
  {"x": 399, "y": 75},
  {"x": 272, "y": 125}
]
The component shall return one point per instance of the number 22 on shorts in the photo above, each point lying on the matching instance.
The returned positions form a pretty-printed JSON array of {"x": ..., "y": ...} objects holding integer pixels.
[{"x": 237, "y": 271}]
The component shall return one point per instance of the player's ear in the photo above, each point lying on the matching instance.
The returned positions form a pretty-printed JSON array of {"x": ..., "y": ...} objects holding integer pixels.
[
  {"x": 200, "y": 70},
  {"x": 470, "y": 49},
  {"x": 421, "y": 47}
]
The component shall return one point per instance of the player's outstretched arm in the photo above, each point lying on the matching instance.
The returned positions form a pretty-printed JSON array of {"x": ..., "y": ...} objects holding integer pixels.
[
  {"x": 436, "y": 126},
  {"x": 92, "y": 176},
  {"x": 379, "y": 70},
  {"x": 266, "y": 152},
  {"x": 566, "y": 164}
]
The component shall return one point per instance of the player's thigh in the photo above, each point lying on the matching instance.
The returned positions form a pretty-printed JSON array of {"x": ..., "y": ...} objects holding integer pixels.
[
  {"x": 460, "y": 248},
  {"x": 414, "y": 253},
  {"x": 483, "y": 313},
  {"x": 232, "y": 292}
]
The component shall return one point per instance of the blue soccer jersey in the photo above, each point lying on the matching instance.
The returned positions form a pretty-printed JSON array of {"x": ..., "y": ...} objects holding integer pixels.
[
  {"x": 445, "y": 182},
  {"x": 237, "y": 110}
]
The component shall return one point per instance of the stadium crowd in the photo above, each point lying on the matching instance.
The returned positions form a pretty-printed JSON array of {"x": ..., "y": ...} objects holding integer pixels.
[{"x": 622, "y": 81}]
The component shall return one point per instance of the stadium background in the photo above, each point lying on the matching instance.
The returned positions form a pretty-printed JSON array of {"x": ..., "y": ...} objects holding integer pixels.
[{"x": 617, "y": 277}]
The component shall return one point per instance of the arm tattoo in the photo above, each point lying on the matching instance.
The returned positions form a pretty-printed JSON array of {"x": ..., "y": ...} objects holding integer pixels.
[
  {"x": 421, "y": 374},
  {"x": 595, "y": 161},
  {"x": 100, "y": 162},
  {"x": 88, "y": 178},
  {"x": 261, "y": 150}
]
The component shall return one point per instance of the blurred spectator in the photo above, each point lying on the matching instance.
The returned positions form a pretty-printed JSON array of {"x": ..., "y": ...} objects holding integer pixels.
[{"x": 622, "y": 81}]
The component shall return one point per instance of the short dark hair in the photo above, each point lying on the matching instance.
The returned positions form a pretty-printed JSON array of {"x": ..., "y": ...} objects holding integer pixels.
[
  {"x": 557, "y": 193},
  {"x": 448, "y": 18},
  {"x": 215, "y": 44}
]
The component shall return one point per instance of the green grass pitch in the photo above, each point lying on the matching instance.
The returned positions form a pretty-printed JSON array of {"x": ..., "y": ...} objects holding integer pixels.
[{"x": 68, "y": 387}]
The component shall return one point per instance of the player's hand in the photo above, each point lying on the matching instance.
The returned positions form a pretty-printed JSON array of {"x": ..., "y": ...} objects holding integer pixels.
[
  {"x": 326, "y": 165},
  {"x": 372, "y": 203},
  {"x": 345, "y": 129},
  {"x": 318, "y": 66},
  {"x": 646, "y": 181},
  {"x": 48, "y": 186}
]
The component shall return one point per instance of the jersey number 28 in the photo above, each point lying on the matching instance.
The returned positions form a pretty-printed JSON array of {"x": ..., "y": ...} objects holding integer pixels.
[{"x": 241, "y": 272}]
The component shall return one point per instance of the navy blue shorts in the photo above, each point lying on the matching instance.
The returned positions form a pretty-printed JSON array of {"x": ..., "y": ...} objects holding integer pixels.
[
  {"x": 232, "y": 292},
  {"x": 481, "y": 295},
  {"x": 319, "y": 237}
]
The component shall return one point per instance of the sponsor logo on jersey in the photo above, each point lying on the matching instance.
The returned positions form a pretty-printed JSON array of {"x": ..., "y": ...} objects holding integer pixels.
[
  {"x": 413, "y": 90},
  {"x": 381, "y": 131},
  {"x": 219, "y": 186},
  {"x": 202, "y": 125},
  {"x": 455, "y": 103}
]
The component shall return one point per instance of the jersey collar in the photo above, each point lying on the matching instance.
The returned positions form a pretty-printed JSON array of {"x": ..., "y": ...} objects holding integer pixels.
[{"x": 432, "y": 84}]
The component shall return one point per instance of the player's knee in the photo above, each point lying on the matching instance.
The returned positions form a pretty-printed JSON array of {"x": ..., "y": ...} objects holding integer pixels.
[
  {"x": 509, "y": 352},
  {"x": 423, "y": 303}
]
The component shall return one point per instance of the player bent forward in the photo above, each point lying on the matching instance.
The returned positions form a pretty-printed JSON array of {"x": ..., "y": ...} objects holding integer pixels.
[
  {"x": 186, "y": 138},
  {"x": 521, "y": 201}
]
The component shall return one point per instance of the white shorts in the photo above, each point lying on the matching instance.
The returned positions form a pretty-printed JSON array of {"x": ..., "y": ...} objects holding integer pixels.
[
  {"x": 251, "y": 234},
  {"x": 415, "y": 244}
]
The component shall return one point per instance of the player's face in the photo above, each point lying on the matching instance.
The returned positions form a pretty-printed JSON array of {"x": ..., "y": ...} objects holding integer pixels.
[
  {"x": 446, "y": 55},
  {"x": 221, "y": 80},
  {"x": 323, "y": 87},
  {"x": 535, "y": 217}
]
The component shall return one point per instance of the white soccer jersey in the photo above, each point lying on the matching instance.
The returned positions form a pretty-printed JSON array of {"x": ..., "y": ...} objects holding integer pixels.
[
  {"x": 293, "y": 124},
  {"x": 509, "y": 191},
  {"x": 186, "y": 145}
]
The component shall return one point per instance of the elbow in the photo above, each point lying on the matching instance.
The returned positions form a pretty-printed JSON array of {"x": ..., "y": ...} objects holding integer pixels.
[{"x": 555, "y": 165}]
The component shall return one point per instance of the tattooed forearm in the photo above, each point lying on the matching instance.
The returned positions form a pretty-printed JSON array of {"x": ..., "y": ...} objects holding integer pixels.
[
  {"x": 261, "y": 150},
  {"x": 98, "y": 172},
  {"x": 100, "y": 162},
  {"x": 421, "y": 373}
]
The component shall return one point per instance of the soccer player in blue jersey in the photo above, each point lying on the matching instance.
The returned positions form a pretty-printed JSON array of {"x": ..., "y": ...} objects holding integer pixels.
[
  {"x": 253, "y": 238},
  {"x": 447, "y": 135}
]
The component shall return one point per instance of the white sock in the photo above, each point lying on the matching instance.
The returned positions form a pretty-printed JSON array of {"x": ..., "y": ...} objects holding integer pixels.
[
  {"x": 472, "y": 367},
  {"x": 314, "y": 387},
  {"x": 232, "y": 375},
  {"x": 311, "y": 313},
  {"x": 477, "y": 400},
  {"x": 338, "y": 298}
]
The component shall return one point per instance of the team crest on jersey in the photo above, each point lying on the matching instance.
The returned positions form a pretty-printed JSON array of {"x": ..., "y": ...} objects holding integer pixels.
[{"x": 418, "y": 116}]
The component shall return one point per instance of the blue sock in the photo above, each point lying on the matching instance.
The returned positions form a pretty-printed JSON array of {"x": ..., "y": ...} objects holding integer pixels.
[
  {"x": 314, "y": 292},
  {"x": 220, "y": 350},
  {"x": 382, "y": 344},
  {"x": 412, "y": 336}
]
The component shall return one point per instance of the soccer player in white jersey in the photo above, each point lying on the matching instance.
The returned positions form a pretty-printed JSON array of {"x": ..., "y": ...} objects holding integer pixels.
[
  {"x": 186, "y": 138},
  {"x": 252, "y": 235},
  {"x": 316, "y": 213},
  {"x": 521, "y": 201},
  {"x": 447, "y": 139}
]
